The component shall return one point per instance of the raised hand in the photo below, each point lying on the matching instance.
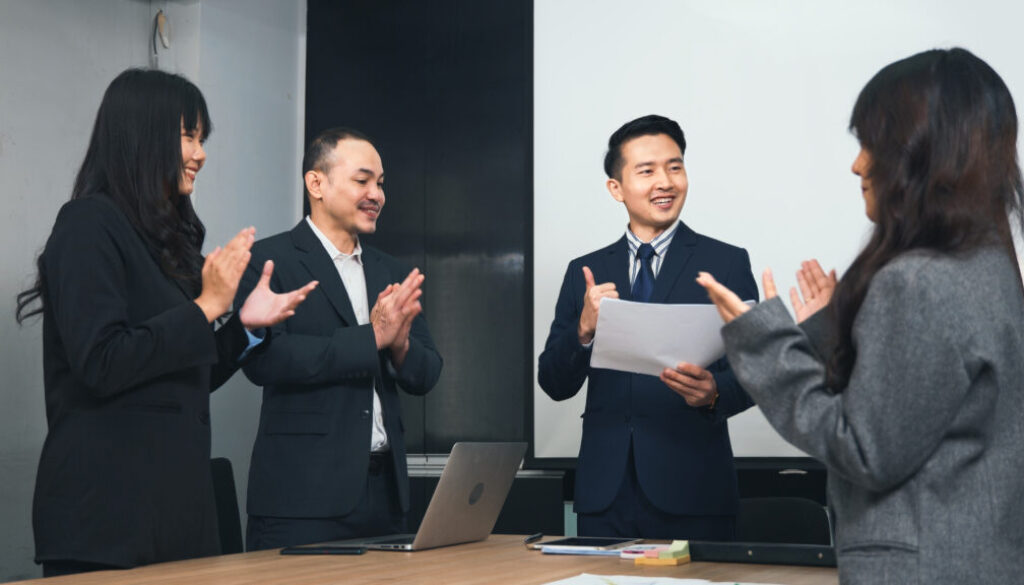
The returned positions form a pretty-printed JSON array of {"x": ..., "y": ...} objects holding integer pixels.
[
  {"x": 728, "y": 304},
  {"x": 816, "y": 288},
  {"x": 222, "y": 270},
  {"x": 263, "y": 307},
  {"x": 592, "y": 304},
  {"x": 394, "y": 305},
  {"x": 695, "y": 384}
]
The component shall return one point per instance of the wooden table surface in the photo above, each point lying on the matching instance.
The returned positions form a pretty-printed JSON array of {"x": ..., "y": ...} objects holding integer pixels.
[{"x": 499, "y": 559}]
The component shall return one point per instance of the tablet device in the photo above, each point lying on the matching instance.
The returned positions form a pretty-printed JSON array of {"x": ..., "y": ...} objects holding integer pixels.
[
  {"x": 587, "y": 542},
  {"x": 321, "y": 549}
]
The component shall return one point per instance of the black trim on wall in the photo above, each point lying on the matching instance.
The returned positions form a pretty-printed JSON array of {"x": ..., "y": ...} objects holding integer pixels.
[{"x": 445, "y": 90}]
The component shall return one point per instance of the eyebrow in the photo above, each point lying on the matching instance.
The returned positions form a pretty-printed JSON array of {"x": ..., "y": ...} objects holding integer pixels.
[
  {"x": 368, "y": 172},
  {"x": 676, "y": 159}
]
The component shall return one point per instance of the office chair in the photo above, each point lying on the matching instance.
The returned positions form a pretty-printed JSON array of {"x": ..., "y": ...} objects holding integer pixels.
[
  {"x": 227, "y": 506},
  {"x": 783, "y": 520}
]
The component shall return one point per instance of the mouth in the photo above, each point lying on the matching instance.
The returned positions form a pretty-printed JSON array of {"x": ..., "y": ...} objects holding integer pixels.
[
  {"x": 663, "y": 201},
  {"x": 191, "y": 173},
  {"x": 370, "y": 208}
]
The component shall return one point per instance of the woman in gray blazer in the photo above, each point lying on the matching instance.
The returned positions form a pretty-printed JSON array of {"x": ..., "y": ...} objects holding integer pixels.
[{"x": 909, "y": 384}]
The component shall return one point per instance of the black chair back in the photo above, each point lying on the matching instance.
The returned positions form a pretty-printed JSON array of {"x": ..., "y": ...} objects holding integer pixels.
[
  {"x": 783, "y": 520},
  {"x": 227, "y": 506}
]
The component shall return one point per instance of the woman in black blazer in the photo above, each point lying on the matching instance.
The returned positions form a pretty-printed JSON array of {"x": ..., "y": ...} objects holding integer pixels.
[{"x": 130, "y": 353}]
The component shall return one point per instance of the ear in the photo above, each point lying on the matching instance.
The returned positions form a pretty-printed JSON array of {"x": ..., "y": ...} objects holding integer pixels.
[
  {"x": 312, "y": 179},
  {"x": 615, "y": 188}
]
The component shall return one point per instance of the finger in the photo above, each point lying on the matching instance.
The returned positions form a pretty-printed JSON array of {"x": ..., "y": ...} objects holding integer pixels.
[
  {"x": 612, "y": 294},
  {"x": 805, "y": 287},
  {"x": 768, "y": 281},
  {"x": 728, "y": 304},
  {"x": 818, "y": 276},
  {"x": 832, "y": 277},
  {"x": 806, "y": 272},
  {"x": 268, "y": 269},
  {"x": 794, "y": 299},
  {"x": 606, "y": 286},
  {"x": 588, "y": 277},
  {"x": 693, "y": 371}
]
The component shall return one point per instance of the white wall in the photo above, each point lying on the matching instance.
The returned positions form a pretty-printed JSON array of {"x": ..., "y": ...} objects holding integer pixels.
[
  {"x": 56, "y": 59},
  {"x": 763, "y": 91}
]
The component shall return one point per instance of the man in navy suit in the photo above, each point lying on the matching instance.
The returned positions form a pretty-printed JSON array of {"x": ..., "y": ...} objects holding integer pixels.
[
  {"x": 655, "y": 459},
  {"x": 329, "y": 459}
]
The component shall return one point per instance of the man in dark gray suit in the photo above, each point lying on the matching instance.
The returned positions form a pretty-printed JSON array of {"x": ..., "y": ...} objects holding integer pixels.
[{"x": 329, "y": 459}]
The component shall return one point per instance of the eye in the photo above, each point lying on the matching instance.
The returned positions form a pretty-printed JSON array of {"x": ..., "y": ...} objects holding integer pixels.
[{"x": 362, "y": 181}]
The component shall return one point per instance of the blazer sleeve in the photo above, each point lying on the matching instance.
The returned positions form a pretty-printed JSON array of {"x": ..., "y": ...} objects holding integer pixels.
[
  {"x": 87, "y": 291},
  {"x": 732, "y": 398},
  {"x": 861, "y": 433},
  {"x": 231, "y": 341},
  {"x": 348, "y": 353},
  {"x": 565, "y": 363},
  {"x": 422, "y": 366}
]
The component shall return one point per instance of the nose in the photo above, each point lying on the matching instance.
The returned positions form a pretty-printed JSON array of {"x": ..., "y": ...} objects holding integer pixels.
[
  {"x": 199, "y": 154},
  {"x": 859, "y": 166}
]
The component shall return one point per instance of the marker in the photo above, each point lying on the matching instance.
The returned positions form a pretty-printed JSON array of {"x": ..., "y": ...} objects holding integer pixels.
[{"x": 532, "y": 538}]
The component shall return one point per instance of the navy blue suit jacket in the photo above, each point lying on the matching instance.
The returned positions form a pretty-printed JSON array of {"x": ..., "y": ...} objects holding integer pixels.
[
  {"x": 683, "y": 456},
  {"x": 312, "y": 449}
]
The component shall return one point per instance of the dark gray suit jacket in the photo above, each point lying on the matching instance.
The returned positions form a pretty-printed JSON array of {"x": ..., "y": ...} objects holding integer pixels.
[
  {"x": 925, "y": 445},
  {"x": 312, "y": 450}
]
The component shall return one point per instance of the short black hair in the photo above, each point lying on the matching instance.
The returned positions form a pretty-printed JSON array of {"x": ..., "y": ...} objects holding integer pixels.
[
  {"x": 321, "y": 147},
  {"x": 649, "y": 125}
]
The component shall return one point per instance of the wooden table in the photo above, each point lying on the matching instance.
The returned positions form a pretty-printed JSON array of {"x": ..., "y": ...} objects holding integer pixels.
[{"x": 500, "y": 559}]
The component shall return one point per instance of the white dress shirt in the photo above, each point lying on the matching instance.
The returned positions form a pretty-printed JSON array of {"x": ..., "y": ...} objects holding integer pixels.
[{"x": 350, "y": 269}]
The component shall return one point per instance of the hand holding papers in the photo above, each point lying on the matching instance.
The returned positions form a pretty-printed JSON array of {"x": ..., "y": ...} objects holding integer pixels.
[{"x": 646, "y": 338}]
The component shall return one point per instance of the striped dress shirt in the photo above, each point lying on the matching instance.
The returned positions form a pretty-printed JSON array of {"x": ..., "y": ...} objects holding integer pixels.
[{"x": 660, "y": 245}]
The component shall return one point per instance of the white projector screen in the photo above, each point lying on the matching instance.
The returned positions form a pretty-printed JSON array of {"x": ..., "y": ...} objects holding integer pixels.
[{"x": 763, "y": 91}]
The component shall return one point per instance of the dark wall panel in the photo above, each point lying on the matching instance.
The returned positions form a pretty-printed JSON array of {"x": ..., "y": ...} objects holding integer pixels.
[{"x": 445, "y": 89}]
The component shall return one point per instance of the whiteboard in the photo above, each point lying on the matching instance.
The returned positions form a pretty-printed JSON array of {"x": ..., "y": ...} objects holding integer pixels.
[{"x": 763, "y": 92}]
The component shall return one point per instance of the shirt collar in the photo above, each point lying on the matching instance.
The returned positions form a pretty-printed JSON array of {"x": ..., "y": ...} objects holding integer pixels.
[
  {"x": 332, "y": 250},
  {"x": 660, "y": 243}
]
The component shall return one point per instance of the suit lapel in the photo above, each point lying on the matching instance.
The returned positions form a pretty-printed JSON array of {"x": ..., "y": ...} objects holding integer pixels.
[
  {"x": 616, "y": 264},
  {"x": 676, "y": 258},
  {"x": 314, "y": 257},
  {"x": 377, "y": 277}
]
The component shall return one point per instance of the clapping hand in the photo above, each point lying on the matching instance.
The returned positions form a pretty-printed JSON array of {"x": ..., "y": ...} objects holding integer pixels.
[
  {"x": 816, "y": 288},
  {"x": 393, "y": 313},
  {"x": 263, "y": 307},
  {"x": 591, "y": 305},
  {"x": 222, "y": 269}
]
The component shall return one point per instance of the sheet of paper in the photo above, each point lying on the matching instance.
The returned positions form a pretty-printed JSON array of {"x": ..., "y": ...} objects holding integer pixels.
[
  {"x": 588, "y": 579},
  {"x": 645, "y": 338}
]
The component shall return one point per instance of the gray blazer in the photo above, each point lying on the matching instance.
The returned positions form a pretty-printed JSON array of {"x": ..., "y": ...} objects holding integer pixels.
[{"x": 925, "y": 445}]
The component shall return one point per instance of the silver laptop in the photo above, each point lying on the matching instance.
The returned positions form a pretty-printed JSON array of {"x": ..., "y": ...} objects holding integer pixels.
[{"x": 473, "y": 487}]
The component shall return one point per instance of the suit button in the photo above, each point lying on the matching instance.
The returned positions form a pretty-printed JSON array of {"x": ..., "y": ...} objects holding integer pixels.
[
  {"x": 366, "y": 414},
  {"x": 204, "y": 417}
]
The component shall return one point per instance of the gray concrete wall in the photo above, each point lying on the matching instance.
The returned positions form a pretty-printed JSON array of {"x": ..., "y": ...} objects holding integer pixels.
[{"x": 56, "y": 58}]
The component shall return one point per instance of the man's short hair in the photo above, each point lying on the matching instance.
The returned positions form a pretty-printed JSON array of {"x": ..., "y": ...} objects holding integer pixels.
[
  {"x": 319, "y": 150},
  {"x": 650, "y": 125}
]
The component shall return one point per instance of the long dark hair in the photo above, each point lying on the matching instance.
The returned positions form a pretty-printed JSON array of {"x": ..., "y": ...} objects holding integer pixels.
[
  {"x": 134, "y": 158},
  {"x": 941, "y": 129}
]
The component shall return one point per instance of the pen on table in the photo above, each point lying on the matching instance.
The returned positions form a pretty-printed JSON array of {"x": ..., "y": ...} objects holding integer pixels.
[{"x": 533, "y": 538}]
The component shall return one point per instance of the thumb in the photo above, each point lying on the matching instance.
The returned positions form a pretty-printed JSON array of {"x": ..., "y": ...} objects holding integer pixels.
[
  {"x": 268, "y": 269},
  {"x": 588, "y": 277}
]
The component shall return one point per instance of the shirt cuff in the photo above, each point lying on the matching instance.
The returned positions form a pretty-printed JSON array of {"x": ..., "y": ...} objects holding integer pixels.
[{"x": 255, "y": 338}]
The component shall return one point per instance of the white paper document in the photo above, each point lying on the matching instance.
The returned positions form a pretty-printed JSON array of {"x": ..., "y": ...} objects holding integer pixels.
[{"x": 646, "y": 338}]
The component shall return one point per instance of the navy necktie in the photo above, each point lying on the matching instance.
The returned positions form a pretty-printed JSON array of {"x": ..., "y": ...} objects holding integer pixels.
[{"x": 643, "y": 286}]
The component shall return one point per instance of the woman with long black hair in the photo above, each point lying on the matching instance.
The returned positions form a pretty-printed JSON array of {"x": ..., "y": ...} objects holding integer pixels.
[
  {"x": 130, "y": 353},
  {"x": 908, "y": 383}
]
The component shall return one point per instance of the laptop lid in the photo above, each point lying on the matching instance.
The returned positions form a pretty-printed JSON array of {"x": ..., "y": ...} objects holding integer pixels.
[
  {"x": 472, "y": 490},
  {"x": 466, "y": 503}
]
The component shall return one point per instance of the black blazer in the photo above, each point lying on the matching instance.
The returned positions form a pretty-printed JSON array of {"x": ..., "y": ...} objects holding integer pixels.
[
  {"x": 129, "y": 362},
  {"x": 312, "y": 449},
  {"x": 683, "y": 455}
]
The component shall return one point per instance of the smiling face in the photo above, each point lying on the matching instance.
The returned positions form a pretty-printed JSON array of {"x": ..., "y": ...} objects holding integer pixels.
[
  {"x": 193, "y": 156},
  {"x": 346, "y": 198},
  {"x": 862, "y": 168},
  {"x": 652, "y": 184}
]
